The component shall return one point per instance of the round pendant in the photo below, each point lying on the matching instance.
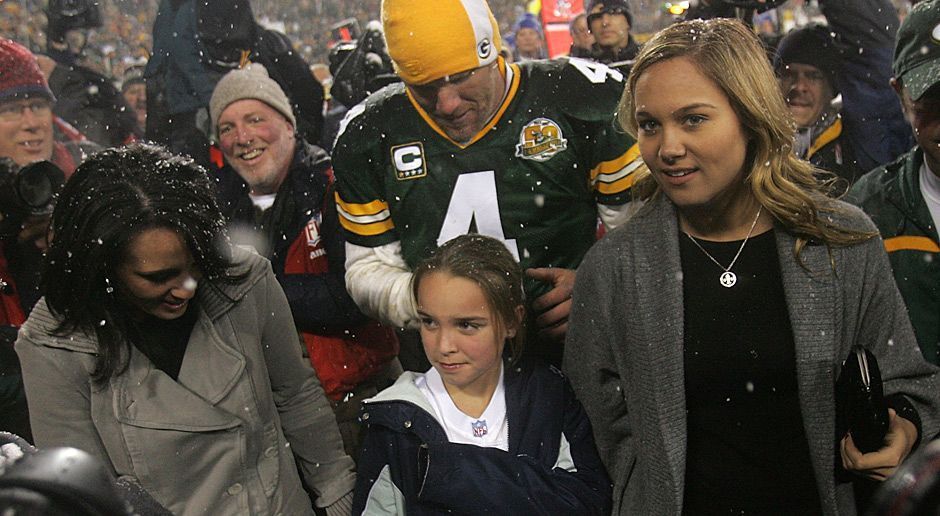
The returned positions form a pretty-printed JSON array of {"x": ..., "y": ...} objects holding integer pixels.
[{"x": 728, "y": 279}]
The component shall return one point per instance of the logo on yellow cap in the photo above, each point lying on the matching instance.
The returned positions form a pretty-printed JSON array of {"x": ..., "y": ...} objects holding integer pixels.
[{"x": 484, "y": 49}]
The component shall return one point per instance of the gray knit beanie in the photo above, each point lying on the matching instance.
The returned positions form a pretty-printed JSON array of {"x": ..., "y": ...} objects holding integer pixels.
[{"x": 250, "y": 82}]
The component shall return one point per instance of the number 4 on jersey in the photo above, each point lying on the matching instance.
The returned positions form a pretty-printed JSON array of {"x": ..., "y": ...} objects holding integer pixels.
[
  {"x": 474, "y": 199},
  {"x": 597, "y": 73}
]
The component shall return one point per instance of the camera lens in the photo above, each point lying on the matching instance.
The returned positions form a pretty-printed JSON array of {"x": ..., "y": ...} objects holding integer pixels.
[
  {"x": 36, "y": 185},
  {"x": 35, "y": 190}
]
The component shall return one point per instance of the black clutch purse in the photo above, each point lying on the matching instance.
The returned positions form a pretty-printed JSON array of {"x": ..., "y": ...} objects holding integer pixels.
[{"x": 861, "y": 409}]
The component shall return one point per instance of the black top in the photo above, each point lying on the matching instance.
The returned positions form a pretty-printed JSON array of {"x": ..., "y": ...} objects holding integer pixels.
[
  {"x": 747, "y": 452},
  {"x": 164, "y": 341}
]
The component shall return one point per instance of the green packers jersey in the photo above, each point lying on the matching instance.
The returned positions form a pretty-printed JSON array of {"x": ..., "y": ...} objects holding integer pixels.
[{"x": 531, "y": 178}]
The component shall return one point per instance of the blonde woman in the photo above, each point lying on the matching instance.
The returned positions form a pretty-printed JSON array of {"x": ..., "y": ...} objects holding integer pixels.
[{"x": 708, "y": 333}]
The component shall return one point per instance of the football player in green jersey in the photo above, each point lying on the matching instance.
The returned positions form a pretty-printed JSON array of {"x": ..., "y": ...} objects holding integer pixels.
[{"x": 528, "y": 154}]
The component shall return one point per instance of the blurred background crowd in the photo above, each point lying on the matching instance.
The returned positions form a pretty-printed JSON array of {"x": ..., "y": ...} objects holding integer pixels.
[{"x": 125, "y": 37}]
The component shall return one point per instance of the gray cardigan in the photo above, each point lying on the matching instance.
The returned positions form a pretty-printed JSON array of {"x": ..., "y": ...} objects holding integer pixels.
[{"x": 624, "y": 350}]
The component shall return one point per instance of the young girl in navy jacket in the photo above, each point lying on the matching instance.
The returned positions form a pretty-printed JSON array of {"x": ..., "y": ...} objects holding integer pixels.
[{"x": 480, "y": 431}]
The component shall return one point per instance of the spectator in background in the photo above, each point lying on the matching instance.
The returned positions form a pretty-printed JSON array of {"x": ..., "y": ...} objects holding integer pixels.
[
  {"x": 86, "y": 99},
  {"x": 195, "y": 44},
  {"x": 134, "y": 90},
  {"x": 177, "y": 85},
  {"x": 276, "y": 191},
  {"x": 864, "y": 31},
  {"x": 903, "y": 198},
  {"x": 27, "y": 135},
  {"x": 610, "y": 22},
  {"x": 527, "y": 39},
  {"x": 231, "y": 37},
  {"x": 582, "y": 40},
  {"x": 26, "y": 127},
  {"x": 29, "y": 131},
  {"x": 807, "y": 65}
]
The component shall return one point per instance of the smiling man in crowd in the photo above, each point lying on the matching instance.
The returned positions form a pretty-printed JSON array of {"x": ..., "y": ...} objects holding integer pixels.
[{"x": 276, "y": 190}]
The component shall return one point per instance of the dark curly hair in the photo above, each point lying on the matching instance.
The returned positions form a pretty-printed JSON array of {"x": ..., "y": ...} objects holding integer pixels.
[{"x": 113, "y": 196}]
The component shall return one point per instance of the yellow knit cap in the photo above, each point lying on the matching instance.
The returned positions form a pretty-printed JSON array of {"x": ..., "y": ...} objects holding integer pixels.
[{"x": 430, "y": 39}]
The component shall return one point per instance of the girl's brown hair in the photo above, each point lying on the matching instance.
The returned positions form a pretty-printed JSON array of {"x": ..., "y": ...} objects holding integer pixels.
[{"x": 488, "y": 263}]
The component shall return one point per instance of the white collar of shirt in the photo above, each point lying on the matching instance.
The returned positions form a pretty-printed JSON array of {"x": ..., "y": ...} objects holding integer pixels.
[
  {"x": 263, "y": 202},
  {"x": 930, "y": 188},
  {"x": 490, "y": 430}
]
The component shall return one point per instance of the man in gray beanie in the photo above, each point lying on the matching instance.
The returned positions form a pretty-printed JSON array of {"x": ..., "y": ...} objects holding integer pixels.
[{"x": 276, "y": 191}]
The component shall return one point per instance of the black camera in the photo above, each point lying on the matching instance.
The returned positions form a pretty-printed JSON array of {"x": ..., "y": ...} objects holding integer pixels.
[
  {"x": 30, "y": 190},
  {"x": 361, "y": 67}
]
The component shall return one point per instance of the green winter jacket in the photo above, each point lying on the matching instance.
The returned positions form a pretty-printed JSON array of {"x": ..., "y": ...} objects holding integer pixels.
[{"x": 891, "y": 196}]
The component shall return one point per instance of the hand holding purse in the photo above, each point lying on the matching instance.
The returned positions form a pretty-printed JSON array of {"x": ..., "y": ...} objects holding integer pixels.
[{"x": 861, "y": 409}]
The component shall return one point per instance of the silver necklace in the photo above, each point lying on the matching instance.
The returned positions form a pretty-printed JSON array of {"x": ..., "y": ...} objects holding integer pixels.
[{"x": 727, "y": 278}]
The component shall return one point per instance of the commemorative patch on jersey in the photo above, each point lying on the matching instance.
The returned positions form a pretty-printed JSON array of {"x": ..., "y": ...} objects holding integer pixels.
[
  {"x": 540, "y": 139},
  {"x": 408, "y": 160}
]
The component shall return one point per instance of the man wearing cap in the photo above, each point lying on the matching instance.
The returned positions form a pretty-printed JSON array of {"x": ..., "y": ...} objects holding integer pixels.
[
  {"x": 134, "y": 91},
  {"x": 527, "y": 39},
  {"x": 25, "y": 107},
  {"x": 276, "y": 191},
  {"x": 903, "y": 198},
  {"x": 807, "y": 64},
  {"x": 610, "y": 22},
  {"x": 27, "y": 135},
  {"x": 854, "y": 51},
  {"x": 526, "y": 153}
]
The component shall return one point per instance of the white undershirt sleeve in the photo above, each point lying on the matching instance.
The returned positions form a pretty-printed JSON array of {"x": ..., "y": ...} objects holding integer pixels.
[
  {"x": 615, "y": 215},
  {"x": 379, "y": 281}
]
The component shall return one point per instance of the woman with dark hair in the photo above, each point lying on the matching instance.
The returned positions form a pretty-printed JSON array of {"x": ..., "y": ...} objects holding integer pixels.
[
  {"x": 481, "y": 431},
  {"x": 708, "y": 333},
  {"x": 170, "y": 355}
]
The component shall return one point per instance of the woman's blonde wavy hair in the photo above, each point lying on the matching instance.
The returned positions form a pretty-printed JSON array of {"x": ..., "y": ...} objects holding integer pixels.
[{"x": 731, "y": 55}]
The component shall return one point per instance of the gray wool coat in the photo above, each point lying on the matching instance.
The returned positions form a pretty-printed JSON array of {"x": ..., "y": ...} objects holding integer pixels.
[
  {"x": 228, "y": 436},
  {"x": 624, "y": 350}
]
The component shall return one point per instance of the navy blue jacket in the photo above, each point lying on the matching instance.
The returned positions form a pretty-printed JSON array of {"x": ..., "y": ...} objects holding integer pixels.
[
  {"x": 875, "y": 127},
  {"x": 552, "y": 466}
]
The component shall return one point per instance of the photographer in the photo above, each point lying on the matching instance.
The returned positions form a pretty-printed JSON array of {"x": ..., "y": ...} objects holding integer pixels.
[
  {"x": 29, "y": 131},
  {"x": 26, "y": 136}
]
